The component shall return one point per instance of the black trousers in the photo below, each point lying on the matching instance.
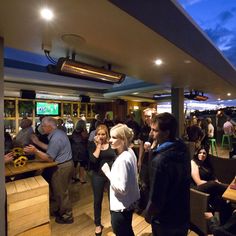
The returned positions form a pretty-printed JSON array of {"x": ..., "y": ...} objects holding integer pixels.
[
  {"x": 216, "y": 201},
  {"x": 98, "y": 184},
  {"x": 122, "y": 223},
  {"x": 159, "y": 230}
]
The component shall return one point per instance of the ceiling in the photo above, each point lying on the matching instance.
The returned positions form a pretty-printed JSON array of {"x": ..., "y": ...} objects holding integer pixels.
[{"x": 129, "y": 36}]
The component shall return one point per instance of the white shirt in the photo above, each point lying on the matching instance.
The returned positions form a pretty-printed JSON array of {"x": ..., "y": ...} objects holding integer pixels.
[
  {"x": 210, "y": 130},
  {"x": 123, "y": 181}
]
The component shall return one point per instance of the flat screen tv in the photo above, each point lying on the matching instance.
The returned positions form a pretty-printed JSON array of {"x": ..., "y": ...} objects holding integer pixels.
[{"x": 47, "y": 109}]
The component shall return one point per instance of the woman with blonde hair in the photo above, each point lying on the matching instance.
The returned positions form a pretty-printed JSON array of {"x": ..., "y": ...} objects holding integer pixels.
[
  {"x": 100, "y": 152},
  {"x": 124, "y": 191}
]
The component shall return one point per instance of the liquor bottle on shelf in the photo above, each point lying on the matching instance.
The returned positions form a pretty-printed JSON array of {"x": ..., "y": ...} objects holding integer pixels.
[{"x": 8, "y": 129}]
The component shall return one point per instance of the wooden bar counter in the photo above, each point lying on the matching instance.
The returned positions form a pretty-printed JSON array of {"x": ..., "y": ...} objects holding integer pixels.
[
  {"x": 28, "y": 206},
  {"x": 32, "y": 165}
]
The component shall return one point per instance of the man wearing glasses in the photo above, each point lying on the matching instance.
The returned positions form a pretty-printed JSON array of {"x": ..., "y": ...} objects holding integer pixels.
[{"x": 59, "y": 150}]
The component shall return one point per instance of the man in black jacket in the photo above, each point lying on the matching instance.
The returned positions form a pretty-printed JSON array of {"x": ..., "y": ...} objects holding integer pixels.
[{"x": 168, "y": 208}]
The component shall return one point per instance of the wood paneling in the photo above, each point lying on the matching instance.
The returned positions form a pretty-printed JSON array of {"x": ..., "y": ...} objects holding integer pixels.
[{"x": 27, "y": 204}]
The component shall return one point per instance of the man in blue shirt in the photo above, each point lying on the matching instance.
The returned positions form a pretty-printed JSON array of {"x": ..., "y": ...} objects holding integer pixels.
[{"x": 59, "y": 150}]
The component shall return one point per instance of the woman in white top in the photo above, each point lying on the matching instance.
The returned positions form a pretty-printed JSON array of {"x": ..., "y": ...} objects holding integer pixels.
[{"x": 124, "y": 191}]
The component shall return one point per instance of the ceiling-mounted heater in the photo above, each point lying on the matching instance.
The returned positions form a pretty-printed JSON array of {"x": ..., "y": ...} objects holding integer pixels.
[
  {"x": 70, "y": 67},
  {"x": 196, "y": 95}
]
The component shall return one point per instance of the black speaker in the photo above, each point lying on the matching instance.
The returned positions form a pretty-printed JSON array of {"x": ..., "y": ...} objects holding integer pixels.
[
  {"x": 145, "y": 104},
  {"x": 120, "y": 101},
  {"x": 85, "y": 98},
  {"x": 30, "y": 94}
]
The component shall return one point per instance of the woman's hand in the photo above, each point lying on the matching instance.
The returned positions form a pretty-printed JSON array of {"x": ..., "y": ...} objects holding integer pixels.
[
  {"x": 97, "y": 140},
  {"x": 8, "y": 157},
  {"x": 202, "y": 182}
]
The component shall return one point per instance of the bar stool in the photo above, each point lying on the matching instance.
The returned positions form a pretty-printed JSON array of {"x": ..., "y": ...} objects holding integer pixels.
[
  {"x": 213, "y": 146},
  {"x": 226, "y": 141}
]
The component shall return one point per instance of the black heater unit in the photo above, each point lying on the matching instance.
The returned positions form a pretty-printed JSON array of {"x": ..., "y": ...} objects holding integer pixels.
[{"x": 197, "y": 96}]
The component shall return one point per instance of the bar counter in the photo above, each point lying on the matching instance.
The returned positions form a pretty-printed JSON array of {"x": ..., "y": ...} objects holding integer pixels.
[{"x": 31, "y": 165}]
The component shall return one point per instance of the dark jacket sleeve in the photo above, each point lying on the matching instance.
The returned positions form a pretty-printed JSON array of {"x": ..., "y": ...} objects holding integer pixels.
[
  {"x": 159, "y": 184},
  {"x": 159, "y": 187}
]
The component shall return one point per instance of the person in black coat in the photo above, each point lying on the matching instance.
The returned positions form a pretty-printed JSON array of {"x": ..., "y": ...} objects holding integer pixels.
[
  {"x": 79, "y": 146},
  {"x": 168, "y": 209},
  {"x": 204, "y": 180}
]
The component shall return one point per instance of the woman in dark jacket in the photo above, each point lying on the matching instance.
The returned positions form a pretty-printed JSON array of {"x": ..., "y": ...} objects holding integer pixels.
[
  {"x": 100, "y": 152},
  {"x": 204, "y": 180},
  {"x": 79, "y": 146}
]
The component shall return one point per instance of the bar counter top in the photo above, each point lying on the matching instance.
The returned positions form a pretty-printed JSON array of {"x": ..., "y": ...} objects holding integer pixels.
[{"x": 31, "y": 165}]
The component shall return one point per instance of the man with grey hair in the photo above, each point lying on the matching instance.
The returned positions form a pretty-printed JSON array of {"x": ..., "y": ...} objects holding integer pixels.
[{"x": 59, "y": 150}]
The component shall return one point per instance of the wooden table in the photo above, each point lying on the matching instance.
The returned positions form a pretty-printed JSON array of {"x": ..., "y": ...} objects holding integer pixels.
[
  {"x": 32, "y": 165},
  {"x": 230, "y": 194}
]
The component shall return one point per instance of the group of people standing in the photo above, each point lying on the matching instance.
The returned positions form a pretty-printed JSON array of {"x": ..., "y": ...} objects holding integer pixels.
[
  {"x": 163, "y": 159},
  {"x": 200, "y": 130},
  {"x": 113, "y": 164},
  {"x": 168, "y": 205}
]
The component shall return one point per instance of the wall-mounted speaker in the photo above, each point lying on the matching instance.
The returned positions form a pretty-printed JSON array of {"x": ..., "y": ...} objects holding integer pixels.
[
  {"x": 30, "y": 94},
  {"x": 120, "y": 101},
  {"x": 84, "y": 98},
  {"x": 145, "y": 104}
]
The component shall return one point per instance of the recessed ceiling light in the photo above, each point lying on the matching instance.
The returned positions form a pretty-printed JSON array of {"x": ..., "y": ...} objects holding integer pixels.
[
  {"x": 218, "y": 99},
  {"x": 135, "y": 93},
  {"x": 46, "y": 14},
  {"x": 187, "y": 61},
  {"x": 228, "y": 94},
  {"x": 158, "y": 62}
]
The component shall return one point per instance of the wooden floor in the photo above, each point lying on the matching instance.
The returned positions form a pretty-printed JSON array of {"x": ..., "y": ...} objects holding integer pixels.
[
  {"x": 82, "y": 201},
  {"x": 83, "y": 225}
]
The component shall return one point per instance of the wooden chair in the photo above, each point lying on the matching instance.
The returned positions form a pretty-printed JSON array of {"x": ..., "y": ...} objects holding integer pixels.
[
  {"x": 198, "y": 206},
  {"x": 224, "y": 169}
]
